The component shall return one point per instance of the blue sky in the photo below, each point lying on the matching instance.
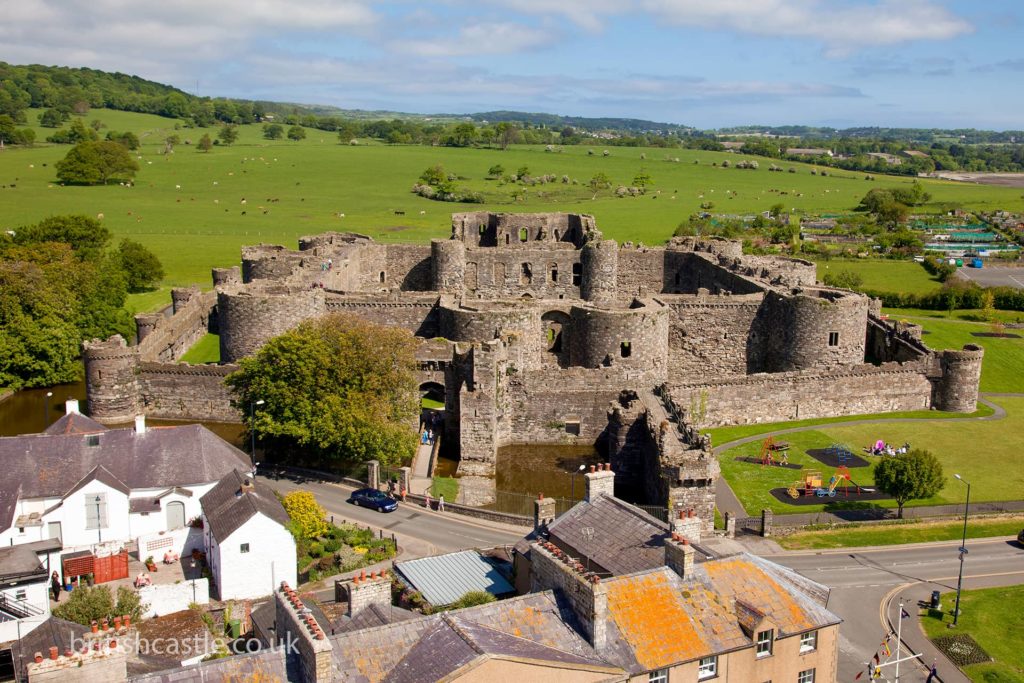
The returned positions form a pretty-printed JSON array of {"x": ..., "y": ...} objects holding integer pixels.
[{"x": 708, "y": 63}]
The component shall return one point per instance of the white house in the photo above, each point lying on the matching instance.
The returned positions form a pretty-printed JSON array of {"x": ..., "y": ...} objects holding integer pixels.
[
  {"x": 248, "y": 546},
  {"x": 24, "y": 592},
  {"x": 93, "y": 490}
]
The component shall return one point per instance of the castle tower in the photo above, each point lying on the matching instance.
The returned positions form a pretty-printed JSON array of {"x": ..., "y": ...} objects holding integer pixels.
[
  {"x": 225, "y": 277},
  {"x": 957, "y": 389},
  {"x": 600, "y": 282},
  {"x": 248, "y": 319},
  {"x": 449, "y": 262},
  {"x": 112, "y": 388},
  {"x": 145, "y": 323},
  {"x": 816, "y": 329},
  {"x": 180, "y": 296}
]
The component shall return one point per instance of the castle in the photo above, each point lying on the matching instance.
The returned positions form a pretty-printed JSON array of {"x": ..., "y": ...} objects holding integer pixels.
[{"x": 538, "y": 330}]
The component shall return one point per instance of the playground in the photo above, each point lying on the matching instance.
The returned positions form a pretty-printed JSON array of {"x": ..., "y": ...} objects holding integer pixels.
[{"x": 983, "y": 450}]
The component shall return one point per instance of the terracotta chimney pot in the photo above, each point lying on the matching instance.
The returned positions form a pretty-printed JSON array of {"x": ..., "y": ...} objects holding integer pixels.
[
  {"x": 39, "y": 658},
  {"x": 592, "y": 468},
  {"x": 53, "y": 651}
]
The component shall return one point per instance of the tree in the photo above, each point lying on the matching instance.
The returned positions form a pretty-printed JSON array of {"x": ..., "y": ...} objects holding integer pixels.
[
  {"x": 434, "y": 175},
  {"x": 496, "y": 171},
  {"x": 337, "y": 388},
  {"x": 642, "y": 179},
  {"x": 205, "y": 143},
  {"x": 273, "y": 131},
  {"x": 600, "y": 181},
  {"x": 170, "y": 141},
  {"x": 96, "y": 163},
  {"x": 910, "y": 476},
  {"x": 95, "y": 603},
  {"x": 463, "y": 135},
  {"x": 507, "y": 134},
  {"x": 296, "y": 133},
  {"x": 776, "y": 210},
  {"x": 228, "y": 134},
  {"x": 86, "y": 236},
  {"x": 141, "y": 267},
  {"x": 53, "y": 118},
  {"x": 75, "y": 133},
  {"x": 308, "y": 519},
  {"x": 127, "y": 139},
  {"x": 845, "y": 279}
]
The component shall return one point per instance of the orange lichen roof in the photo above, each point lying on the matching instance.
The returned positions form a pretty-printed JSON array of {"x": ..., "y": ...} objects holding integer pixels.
[
  {"x": 741, "y": 578},
  {"x": 666, "y": 623}
]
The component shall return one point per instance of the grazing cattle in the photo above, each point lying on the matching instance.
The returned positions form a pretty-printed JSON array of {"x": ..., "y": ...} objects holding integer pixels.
[{"x": 399, "y": 213}]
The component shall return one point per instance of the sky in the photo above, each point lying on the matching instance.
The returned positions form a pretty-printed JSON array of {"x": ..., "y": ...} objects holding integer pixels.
[{"x": 705, "y": 63}]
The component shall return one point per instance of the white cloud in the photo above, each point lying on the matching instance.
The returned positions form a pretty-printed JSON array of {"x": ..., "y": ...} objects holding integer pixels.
[{"x": 479, "y": 38}]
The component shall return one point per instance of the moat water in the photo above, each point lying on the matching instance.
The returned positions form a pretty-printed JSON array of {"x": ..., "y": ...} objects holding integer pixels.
[{"x": 29, "y": 411}]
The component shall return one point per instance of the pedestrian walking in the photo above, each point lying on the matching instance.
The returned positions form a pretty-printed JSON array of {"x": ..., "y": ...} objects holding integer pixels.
[
  {"x": 440, "y": 503},
  {"x": 426, "y": 499},
  {"x": 933, "y": 674},
  {"x": 55, "y": 586},
  {"x": 403, "y": 493}
]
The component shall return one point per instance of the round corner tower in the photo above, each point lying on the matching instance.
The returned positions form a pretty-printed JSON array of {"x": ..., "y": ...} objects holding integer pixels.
[
  {"x": 957, "y": 389},
  {"x": 180, "y": 296},
  {"x": 248, "y": 319},
  {"x": 225, "y": 277},
  {"x": 111, "y": 379},
  {"x": 600, "y": 280},
  {"x": 448, "y": 258}
]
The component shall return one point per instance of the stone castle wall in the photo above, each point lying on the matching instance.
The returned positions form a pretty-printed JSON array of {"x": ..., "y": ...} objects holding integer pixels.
[
  {"x": 714, "y": 336},
  {"x": 166, "y": 338},
  {"x": 247, "y": 318},
  {"x": 179, "y": 391}
]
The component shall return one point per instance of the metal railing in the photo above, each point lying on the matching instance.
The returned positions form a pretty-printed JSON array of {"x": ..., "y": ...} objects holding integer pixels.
[{"x": 19, "y": 609}]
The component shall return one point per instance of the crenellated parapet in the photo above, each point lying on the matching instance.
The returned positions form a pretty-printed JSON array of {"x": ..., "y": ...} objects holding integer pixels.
[
  {"x": 111, "y": 374},
  {"x": 956, "y": 389}
]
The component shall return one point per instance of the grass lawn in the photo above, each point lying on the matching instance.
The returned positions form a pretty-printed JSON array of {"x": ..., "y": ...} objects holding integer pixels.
[
  {"x": 883, "y": 274},
  {"x": 722, "y": 435},
  {"x": 985, "y": 453},
  {"x": 206, "y": 350},
  {"x": 910, "y": 531},
  {"x": 991, "y": 616},
  {"x": 187, "y": 207},
  {"x": 445, "y": 486},
  {"x": 975, "y": 315},
  {"x": 431, "y": 404}
]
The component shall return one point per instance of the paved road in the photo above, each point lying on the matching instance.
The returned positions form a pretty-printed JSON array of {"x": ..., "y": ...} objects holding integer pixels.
[
  {"x": 862, "y": 579},
  {"x": 993, "y": 277},
  {"x": 419, "y": 532}
]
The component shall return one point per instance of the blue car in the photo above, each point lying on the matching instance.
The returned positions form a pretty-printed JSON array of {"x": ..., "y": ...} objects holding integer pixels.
[{"x": 374, "y": 499}]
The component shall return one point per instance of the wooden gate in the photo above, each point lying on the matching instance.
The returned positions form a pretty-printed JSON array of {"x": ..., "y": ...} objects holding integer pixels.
[{"x": 111, "y": 567}]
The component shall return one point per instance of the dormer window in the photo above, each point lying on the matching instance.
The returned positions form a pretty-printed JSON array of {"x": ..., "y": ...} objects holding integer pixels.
[
  {"x": 92, "y": 440},
  {"x": 764, "y": 643}
]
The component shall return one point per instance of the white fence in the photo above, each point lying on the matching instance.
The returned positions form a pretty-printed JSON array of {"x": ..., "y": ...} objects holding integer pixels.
[{"x": 174, "y": 597}]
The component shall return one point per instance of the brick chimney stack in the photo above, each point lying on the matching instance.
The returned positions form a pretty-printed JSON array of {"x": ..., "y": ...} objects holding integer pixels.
[
  {"x": 543, "y": 512},
  {"x": 365, "y": 590},
  {"x": 599, "y": 481},
  {"x": 679, "y": 555}
]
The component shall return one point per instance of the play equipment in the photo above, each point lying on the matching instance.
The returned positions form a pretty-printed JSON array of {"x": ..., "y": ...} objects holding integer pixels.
[
  {"x": 769, "y": 447},
  {"x": 812, "y": 482},
  {"x": 842, "y": 475},
  {"x": 841, "y": 452}
]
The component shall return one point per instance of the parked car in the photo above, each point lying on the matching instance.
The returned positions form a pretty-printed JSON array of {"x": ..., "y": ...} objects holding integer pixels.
[{"x": 374, "y": 499}]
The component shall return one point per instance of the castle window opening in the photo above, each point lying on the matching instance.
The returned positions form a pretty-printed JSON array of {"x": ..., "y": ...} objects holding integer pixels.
[
  {"x": 833, "y": 339},
  {"x": 577, "y": 274},
  {"x": 625, "y": 349},
  {"x": 382, "y": 276},
  {"x": 679, "y": 278},
  {"x": 556, "y": 234},
  {"x": 506, "y": 239},
  {"x": 523, "y": 234},
  {"x": 526, "y": 274},
  {"x": 483, "y": 228},
  {"x": 572, "y": 426},
  {"x": 554, "y": 272}
]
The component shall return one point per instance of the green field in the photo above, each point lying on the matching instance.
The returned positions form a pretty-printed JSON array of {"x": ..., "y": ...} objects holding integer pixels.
[
  {"x": 884, "y": 275},
  {"x": 991, "y": 616},
  {"x": 206, "y": 350},
  {"x": 188, "y": 208},
  {"x": 985, "y": 453},
  {"x": 863, "y": 536}
]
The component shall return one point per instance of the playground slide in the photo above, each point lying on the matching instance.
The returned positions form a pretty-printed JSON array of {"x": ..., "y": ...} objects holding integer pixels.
[{"x": 832, "y": 484}]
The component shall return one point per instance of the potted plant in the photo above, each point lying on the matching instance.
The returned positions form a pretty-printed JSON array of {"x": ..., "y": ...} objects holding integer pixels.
[{"x": 150, "y": 564}]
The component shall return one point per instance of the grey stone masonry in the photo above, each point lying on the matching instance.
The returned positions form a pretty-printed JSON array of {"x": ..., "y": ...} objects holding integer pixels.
[
  {"x": 297, "y": 627},
  {"x": 543, "y": 512},
  {"x": 599, "y": 482},
  {"x": 679, "y": 555},
  {"x": 767, "y": 519},
  {"x": 365, "y": 590},
  {"x": 99, "y": 661},
  {"x": 687, "y": 523},
  {"x": 553, "y": 569},
  {"x": 373, "y": 474}
]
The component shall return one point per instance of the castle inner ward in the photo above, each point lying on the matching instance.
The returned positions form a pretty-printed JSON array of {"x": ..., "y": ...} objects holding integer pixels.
[{"x": 540, "y": 330}]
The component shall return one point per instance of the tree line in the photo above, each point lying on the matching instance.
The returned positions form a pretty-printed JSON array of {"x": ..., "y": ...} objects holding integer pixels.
[{"x": 61, "y": 282}]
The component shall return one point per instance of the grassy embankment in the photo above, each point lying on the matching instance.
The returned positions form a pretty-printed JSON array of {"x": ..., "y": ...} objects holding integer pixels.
[
  {"x": 187, "y": 206},
  {"x": 903, "y": 532},
  {"x": 991, "y": 616}
]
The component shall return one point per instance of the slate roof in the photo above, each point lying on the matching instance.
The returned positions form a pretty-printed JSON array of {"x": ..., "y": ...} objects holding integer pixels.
[
  {"x": 136, "y": 505},
  {"x": 267, "y": 666},
  {"x": 443, "y": 579},
  {"x": 370, "y": 617},
  {"x": 50, "y": 465},
  {"x": 51, "y": 632},
  {"x": 19, "y": 561},
  {"x": 75, "y": 423},
  {"x": 227, "y": 506},
  {"x": 625, "y": 538}
]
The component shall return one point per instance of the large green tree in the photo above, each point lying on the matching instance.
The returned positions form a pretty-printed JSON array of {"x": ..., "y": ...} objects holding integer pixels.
[
  {"x": 335, "y": 389},
  {"x": 96, "y": 163},
  {"x": 141, "y": 267},
  {"x": 911, "y": 476}
]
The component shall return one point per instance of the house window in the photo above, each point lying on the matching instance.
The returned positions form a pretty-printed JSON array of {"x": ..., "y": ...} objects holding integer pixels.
[
  {"x": 764, "y": 643},
  {"x": 707, "y": 668},
  {"x": 809, "y": 641},
  {"x": 92, "y": 440},
  {"x": 806, "y": 676},
  {"x": 20, "y": 594},
  {"x": 96, "y": 511},
  {"x": 833, "y": 339},
  {"x": 659, "y": 676},
  {"x": 244, "y": 548}
]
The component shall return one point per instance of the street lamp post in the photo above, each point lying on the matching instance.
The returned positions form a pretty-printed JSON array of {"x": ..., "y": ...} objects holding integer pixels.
[
  {"x": 252, "y": 426},
  {"x": 99, "y": 520},
  {"x": 572, "y": 478},
  {"x": 46, "y": 410},
  {"x": 963, "y": 551}
]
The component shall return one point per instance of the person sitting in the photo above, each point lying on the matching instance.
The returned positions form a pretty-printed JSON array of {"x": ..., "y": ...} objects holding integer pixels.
[
  {"x": 889, "y": 450},
  {"x": 170, "y": 557},
  {"x": 143, "y": 579}
]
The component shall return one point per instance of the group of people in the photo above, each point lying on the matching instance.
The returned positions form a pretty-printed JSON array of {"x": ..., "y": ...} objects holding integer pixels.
[
  {"x": 883, "y": 448},
  {"x": 395, "y": 490}
]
